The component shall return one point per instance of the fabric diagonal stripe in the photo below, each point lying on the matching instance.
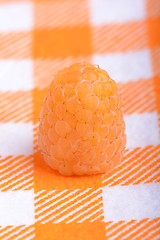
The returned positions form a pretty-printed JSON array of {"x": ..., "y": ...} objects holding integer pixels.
[{"x": 75, "y": 203}]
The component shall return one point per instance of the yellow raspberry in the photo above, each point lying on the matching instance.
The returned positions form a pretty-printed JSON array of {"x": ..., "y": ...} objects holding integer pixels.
[{"x": 81, "y": 128}]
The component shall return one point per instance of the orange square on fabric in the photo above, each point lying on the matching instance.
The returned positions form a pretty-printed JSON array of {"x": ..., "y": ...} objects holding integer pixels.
[
  {"x": 154, "y": 32},
  {"x": 48, "y": 179},
  {"x": 62, "y": 42},
  {"x": 155, "y": 52},
  {"x": 71, "y": 231},
  {"x": 38, "y": 97}
]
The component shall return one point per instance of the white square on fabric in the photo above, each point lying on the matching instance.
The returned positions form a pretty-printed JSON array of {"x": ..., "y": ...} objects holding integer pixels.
[
  {"x": 126, "y": 66},
  {"x": 16, "y": 139},
  {"x": 142, "y": 130},
  {"x": 116, "y": 11},
  {"x": 16, "y": 207},
  {"x": 131, "y": 202},
  {"x": 16, "y": 75},
  {"x": 17, "y": 16}
]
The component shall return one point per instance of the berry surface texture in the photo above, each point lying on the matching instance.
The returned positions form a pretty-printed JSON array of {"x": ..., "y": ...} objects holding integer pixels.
[{"x": 82, "y": 130}]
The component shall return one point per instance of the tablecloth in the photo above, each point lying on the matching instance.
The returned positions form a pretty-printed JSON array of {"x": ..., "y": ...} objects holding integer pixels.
[{"x": 38, "y": 37}]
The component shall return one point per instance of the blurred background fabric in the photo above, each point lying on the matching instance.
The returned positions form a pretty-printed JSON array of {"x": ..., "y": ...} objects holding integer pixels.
[{"x": 37, "y": 38}]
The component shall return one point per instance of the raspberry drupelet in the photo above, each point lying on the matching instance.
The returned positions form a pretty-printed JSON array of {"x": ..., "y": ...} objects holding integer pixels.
[{"x": 82, "y": 131}]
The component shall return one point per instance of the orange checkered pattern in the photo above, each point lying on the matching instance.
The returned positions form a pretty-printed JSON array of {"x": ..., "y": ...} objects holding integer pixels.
[{"x": 37, "y": 38}]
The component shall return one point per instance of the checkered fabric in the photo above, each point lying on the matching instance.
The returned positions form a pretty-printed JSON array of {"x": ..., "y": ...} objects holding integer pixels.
[{"x": 38, "y": 37}]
